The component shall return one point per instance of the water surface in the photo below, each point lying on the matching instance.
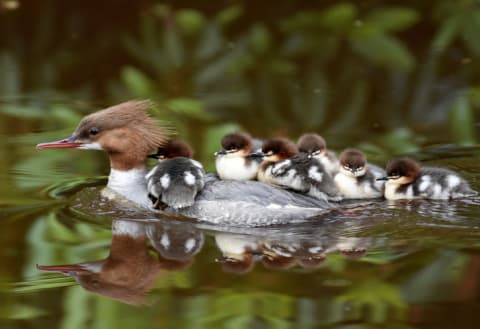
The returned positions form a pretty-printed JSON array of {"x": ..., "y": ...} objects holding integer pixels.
[{"x": 376, "y": 264}]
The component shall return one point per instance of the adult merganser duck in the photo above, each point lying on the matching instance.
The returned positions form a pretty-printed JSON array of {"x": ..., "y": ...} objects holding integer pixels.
[
  {"x": 237, "y": 160},
  {"x": 176, "y": 179},
  {"x": 315, "y": 146},
  {"x": 128, "y": 135},
  {"x": 356, "y": 178},
  {"x": 407, "y": 180},
  {"x": 285, "y": 167}
]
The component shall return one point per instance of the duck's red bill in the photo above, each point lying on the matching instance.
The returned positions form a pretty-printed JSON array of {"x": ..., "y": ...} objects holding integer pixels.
[
  {"x": 61, "y": 144},
  {"x": 65, "y": 269}
]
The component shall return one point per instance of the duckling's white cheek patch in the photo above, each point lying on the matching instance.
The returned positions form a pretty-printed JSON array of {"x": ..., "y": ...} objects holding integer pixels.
[
  {"x": 189, "y": 178},
  {"x": 91, "y": 146},
  {"x": 165, "y": 181}
]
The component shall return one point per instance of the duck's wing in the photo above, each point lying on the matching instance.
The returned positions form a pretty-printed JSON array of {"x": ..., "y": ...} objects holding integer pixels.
[{"x": 255, "y": 192}]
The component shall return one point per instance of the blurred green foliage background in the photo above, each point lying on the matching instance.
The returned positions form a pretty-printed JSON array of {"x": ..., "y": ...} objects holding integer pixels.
[{"x": 398, "y": 72}]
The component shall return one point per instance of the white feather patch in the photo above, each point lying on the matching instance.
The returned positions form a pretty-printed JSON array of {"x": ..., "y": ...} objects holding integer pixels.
[
  {"x": 315, "y": 174},
  {"x": 189, "y": 178},
  {"x": 165, "y": 181},
  {"x": 453, "y": 181}
]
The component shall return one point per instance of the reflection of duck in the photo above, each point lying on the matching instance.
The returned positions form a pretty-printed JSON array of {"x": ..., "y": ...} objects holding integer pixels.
[
  {"x": 128, "y": 134},
  {"x": 128, "y": 273},
  {"x": 176, "y": 241},
  {"x": 352, "y": 247},
  {"x": 238, "y": 252},
  {"x": 284, "y": 255}
]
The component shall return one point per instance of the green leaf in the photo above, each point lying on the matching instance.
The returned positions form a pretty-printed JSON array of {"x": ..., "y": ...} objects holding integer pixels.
[
  {"x": 190, "y": 21},
  {"x": 392, "y": 19},
  {"x": 462, "y": 121},
  {"x": 138, "y": 84},
  {"x": 445, "y": 34},
  {"x": 339, "y": 16},
  {"x": 260, "y": 39},
  {"x": 210, "y": 43},
  {"x": 471, "y": 32},
  {"x": 382, "y": 49},
  {"x": 189, "y": 107},
  {"x": 228, "y": 15},
  {"x": 173, "y": 46},
  {"x": 21, "y": 312}
]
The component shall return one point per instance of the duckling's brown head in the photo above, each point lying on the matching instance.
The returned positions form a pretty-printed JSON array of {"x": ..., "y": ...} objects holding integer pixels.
[{"x": 278, "y": 149}]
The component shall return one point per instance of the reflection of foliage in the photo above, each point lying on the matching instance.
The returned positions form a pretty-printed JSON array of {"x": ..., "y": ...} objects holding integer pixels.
[{"x": 379, "y": 297}]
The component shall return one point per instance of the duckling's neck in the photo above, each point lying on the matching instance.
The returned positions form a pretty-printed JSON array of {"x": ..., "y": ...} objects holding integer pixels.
[{"x": 130, "y": 184}]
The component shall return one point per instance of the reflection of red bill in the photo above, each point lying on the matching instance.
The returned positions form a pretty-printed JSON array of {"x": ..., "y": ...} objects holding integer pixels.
[{"x": 69, "y": 269}]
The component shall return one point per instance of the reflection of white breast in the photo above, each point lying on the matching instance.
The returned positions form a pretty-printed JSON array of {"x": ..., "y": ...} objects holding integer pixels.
[
  {"x": 350, "y": 188},
  {"x": 235, "y": 168},
  {"x": 232, "y": 245}
]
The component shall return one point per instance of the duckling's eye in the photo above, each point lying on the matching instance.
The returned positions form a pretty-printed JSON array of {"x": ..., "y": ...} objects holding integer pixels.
[
  {"x": 93, "y": 131},
  {"x": 269, "y": 153},
  {"x": 232, "y": 150},
  {"x": 359, "y": 169},
  {"x": 316, "y": 152},
  {"x": 346, "y": 167}
]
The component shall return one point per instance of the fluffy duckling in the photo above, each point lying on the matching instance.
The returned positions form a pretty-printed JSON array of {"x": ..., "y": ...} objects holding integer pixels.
[
  {"x": 176, "y": 179},
  {"x": 237, "y": 159},
  {"x": 285, "y": 167},
  {"x": 315, "y": 146},
  {"x": 356, "y": 178},
  {"x": 407, "y": 180},
  {"x": 275, "y": 150}
]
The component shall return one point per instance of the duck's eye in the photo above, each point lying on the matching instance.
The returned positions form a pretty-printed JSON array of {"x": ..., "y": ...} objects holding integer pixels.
[
  {"x": 359, "y": 169},
  {"x": 316, "y": 152},
  {"x": 346, "y": 167},
  {"x": 93, "y": 131},
  {"x": 269, "y": 153},
  {"x": 232, "y": 150}
]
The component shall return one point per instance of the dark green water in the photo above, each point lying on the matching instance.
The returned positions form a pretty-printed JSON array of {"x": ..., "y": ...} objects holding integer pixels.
[{"x": 381, "y": 264}]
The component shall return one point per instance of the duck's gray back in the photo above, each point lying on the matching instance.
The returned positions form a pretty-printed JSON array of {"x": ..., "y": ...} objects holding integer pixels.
[{"x": 252, "y": 203}]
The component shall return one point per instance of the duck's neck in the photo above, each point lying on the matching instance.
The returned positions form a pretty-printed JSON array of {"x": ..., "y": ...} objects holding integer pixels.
[{"x": 130, "y": 184}]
